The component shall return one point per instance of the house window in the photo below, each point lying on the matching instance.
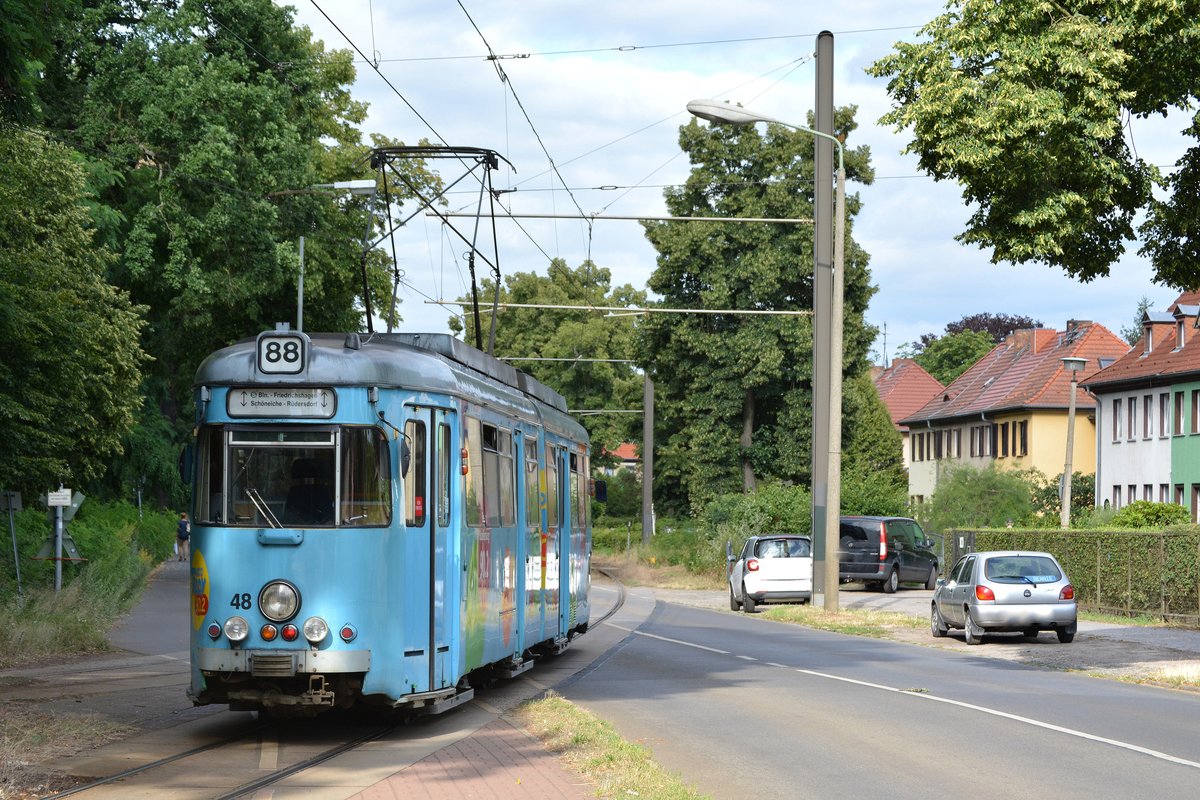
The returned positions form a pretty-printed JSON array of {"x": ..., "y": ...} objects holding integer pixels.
[
  {"x": 1022, "y": 438},
  {"x": 1178, "y": 334},
  {"x": 1195, "y": 500},
  {"x": 1132, "y": 492},
  {"x": 1164, "y": 493},
  {"x": 992, "y": 433},
  {"x": 912, "y": 446},
  {"x": 1132, "y": 431},
  {"x": 1148, "y": 492},
  {"x": 1195, "y": 410},
  {"x": 1003, "y": 439},
  {"x": 958, "y": 442},
  {"x": 1116, "y": 430},
  {"x": 1164, "y": 414},
  {"x": 1116, "y": 497},
  {"x": 1147, "y": 416},
  {"x": 1179, "y": 494},
  {"x": 1178, "y": 427}
]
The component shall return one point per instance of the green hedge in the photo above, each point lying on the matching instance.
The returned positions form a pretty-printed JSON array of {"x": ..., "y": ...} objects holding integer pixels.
[{"x": 1130, "y": 572}]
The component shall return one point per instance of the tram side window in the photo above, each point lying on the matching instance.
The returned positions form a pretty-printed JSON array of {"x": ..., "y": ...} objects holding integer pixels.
[
  {"x": 577, "y": 496},
  {"x": 443, "y": 475},
  {"x": 533, "y": 515},
  {"x": 209, "y": 475},
  {"x": 366, "y": 490},
  {"x": 499, "y": 491},
  {"x": 473, "y": 479},
  {"x": 552, "y": 488},
  {"x": 414, "y": 475}
]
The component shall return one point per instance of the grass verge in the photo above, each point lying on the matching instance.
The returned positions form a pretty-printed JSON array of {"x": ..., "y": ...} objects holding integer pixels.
[
  {"x": 591, "y": 747},
  {"x": 855, "y": 621},
  {"x": 29, "y": 739}
]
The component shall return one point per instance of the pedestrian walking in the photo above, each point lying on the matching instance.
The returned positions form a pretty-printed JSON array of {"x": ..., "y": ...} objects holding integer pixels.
[{"x": 182, "y": 535}]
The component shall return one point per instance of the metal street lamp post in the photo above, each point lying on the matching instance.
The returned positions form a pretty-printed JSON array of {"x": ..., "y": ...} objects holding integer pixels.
[
  {"x": 1073, "y": 364},
  {"x": 360, "y": 187},
  {"x": 823, "y": 307}
]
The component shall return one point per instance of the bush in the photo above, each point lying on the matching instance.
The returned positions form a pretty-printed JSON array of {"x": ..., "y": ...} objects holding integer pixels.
[
  {"x": 1148, "y": 514},
  {"x": 977, "y": 498},
  {"x": 120, "y": 549}
]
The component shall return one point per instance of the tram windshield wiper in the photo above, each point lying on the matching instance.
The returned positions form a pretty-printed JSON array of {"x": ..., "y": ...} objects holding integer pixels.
[{"x": 262, "y": 506}]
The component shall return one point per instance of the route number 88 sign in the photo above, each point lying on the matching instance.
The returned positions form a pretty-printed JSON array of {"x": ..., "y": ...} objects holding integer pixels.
[{"x": 281, "y": 352}]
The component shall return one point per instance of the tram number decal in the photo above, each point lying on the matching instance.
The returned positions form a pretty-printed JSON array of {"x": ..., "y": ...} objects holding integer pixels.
[
  {"x": 242, "y": 601},
  {"x": 281, "y": 353}
]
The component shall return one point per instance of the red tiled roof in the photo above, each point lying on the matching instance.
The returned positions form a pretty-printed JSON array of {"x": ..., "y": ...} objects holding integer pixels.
[
  {"x": 1166, "y": 361},
  {"x": 626, "y": 451},
  {"x": 905, "y": 387},
  {"x": 1026, "y": 371}
]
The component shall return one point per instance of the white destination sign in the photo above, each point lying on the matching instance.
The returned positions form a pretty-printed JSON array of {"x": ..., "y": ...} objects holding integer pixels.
[{"x": 289, "y": 402}]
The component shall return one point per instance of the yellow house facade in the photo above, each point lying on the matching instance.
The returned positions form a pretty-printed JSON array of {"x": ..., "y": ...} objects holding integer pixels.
[{"x": 1010, "y": 408}]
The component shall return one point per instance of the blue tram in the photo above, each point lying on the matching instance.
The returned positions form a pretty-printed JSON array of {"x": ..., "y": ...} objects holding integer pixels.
[{"x": 378, "y": 520}]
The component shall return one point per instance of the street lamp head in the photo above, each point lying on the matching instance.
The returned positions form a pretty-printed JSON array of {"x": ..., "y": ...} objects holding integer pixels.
[
  {"x": 726, "y": 113},
  {"x": 1073, "y": 364},
  {"x": 365, "y": 186}
]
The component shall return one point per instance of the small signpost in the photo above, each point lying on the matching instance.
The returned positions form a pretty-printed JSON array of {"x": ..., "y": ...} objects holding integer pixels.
[{"x": 63, "y": 504}]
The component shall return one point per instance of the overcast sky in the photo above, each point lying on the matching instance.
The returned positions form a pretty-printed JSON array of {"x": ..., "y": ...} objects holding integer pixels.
[{"x": 605, "y": 85}]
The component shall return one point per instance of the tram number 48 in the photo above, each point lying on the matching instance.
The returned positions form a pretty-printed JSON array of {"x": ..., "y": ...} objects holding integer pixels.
[{"x": 242, "y": 601}]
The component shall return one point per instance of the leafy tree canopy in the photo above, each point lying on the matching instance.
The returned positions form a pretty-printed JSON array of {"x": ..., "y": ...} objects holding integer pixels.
[
  {"x": 529, "y": 333},
  {"x": 72, "y": 363},
  {"x": 733, "y": 395},
  {"x": 951, "y": 355},
  {"x": 997, "y": 326},
  {"x": 1025, "y": 106}
]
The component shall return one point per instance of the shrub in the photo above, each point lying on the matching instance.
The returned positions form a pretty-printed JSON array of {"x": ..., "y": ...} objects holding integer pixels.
[
  {"x": 977, "y": 498},
  {"x": 1148, "y": 514}
]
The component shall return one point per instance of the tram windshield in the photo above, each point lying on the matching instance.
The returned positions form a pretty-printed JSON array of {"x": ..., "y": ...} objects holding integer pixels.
[{"x": 294, "y": 477}]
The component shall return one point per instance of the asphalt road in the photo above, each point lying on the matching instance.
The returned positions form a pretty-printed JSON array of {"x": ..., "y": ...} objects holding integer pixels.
[{"x": 743, "y": 707}]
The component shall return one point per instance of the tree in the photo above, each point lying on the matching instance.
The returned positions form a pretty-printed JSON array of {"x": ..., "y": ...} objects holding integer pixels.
[
  {"x": 1025, "y": 105},
  {"x": 733, "y": 393},
  {"x": 528, "y": 333},
  {"x": 997, "y": 326},
  {"x": 27, "y": 32},
  {"x": 1133, "y": 332},
  {"x": 72, "y": 364},
  {"x": 951, "y": 355},
  {"x": 969, "y": 497},
  {"x": 200, "y": 126}
]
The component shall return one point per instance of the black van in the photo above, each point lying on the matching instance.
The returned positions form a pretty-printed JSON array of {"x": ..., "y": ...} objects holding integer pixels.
[{"x": 885, "y": 552}]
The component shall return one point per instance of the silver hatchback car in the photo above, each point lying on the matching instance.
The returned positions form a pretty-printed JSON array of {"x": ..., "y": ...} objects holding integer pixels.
[{"x": 1005, "y": 591}]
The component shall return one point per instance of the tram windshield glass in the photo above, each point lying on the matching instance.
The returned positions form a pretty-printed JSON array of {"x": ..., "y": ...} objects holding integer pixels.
[{"x": 294, "y": 477}]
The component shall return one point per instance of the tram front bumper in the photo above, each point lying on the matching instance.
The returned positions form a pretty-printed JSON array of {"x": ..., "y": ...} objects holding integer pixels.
[{"x": 282, "y": 663}]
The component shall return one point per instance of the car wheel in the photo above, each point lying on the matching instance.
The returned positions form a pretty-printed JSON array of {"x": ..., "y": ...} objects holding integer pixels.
[
  {"x": 892, "y": 583},
  {"x": 734, "y": 605},
  {"x": 937, "y": 625},
  {"x": 747, "y": 601},
  {"x": 1066, "y": 635},
  {"x": 972, "y": 632},
  {"x": 931, "y": 581}
]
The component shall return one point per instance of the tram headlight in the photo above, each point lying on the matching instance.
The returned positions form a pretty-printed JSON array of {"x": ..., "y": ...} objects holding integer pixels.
[
  {"x": 236, "y": 629},
  {"x": 315, "y": 630},
  {"x": 279, "y": 601}
]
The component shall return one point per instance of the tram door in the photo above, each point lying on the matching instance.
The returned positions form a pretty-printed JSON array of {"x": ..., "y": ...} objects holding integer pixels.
[{"x": 429, "y": 436}]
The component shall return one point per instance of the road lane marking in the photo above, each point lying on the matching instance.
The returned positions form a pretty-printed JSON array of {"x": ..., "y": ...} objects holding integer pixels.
[{"x": 927, "y": 696}]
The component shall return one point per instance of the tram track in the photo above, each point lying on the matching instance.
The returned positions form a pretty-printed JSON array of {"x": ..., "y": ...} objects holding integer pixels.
[{"x": 264, "y": 729}]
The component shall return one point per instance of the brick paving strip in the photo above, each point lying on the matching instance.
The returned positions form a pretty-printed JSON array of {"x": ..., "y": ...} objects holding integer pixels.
[{"x": 500, "y": 761}]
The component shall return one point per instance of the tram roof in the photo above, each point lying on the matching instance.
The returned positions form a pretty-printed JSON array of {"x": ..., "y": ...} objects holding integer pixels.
[{"x": 371, "y": 359}]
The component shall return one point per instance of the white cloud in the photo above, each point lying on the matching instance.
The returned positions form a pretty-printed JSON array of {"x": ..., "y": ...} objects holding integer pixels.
[{"x": 609, "y": 118}]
